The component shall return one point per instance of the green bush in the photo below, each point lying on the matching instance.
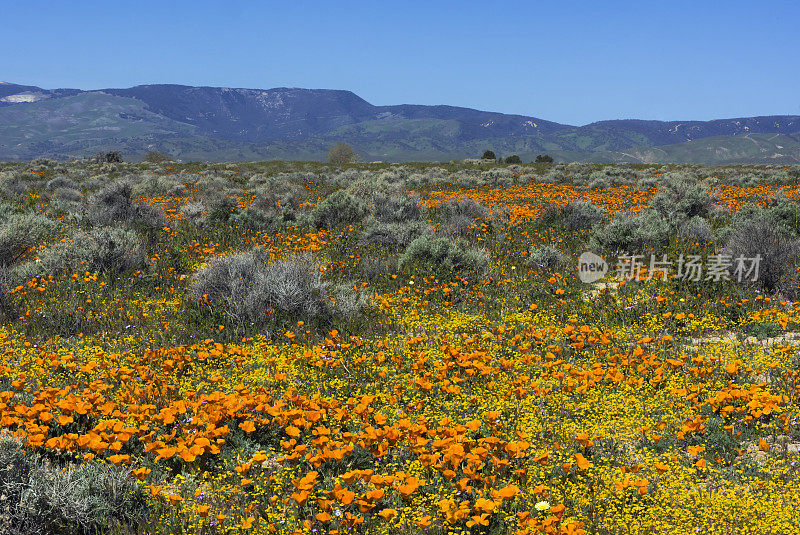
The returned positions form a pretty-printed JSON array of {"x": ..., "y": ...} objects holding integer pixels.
[
  {"x": 64, "y": 194},
  {"x": 785, "y": 212},
  {"x": 437, "y": 252},
  {"x": 19, "y": 233},
  {"x": 547, "y": 257},
  {"x": 247, "y": 285},
  {"x": 114, "y": 204},
  {"x": 277, "y": 194},
  {"x": 155, "y": 156},
  {"x": 580, "y": 215},
  {"x": 550, "y": 216},
  {"x": 341, "y": 154},
  {"x": 8, "y": 309},
  {"x": 338, "y": 209},
  {"x": 682, "y": 200},
  {"x": 399, "y": 234},
  {"x": 254, "y": 219},
  {"x": 632, "y": 234},
  {"x": 696, "y": 230},
  {"x": 40, "y": 498},
  {"x": 779, "y": 252},
  {"x": 460, "y": 215},
  {"x": 219, "y": 207},
  {"x": 104, "y": 249},
  {"x": 194, "y": 213},
  {"x": 388, "y": 208}
]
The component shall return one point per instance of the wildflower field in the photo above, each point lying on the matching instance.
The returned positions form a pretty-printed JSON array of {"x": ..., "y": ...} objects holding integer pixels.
[{"x": 287, "y": 347}]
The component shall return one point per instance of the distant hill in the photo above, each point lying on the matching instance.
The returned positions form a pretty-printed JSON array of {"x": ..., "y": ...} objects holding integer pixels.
[{"x": 217, "y": 123}]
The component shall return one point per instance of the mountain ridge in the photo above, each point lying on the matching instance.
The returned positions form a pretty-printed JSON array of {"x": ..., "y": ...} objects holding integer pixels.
[{"x": 290, "y": 122}]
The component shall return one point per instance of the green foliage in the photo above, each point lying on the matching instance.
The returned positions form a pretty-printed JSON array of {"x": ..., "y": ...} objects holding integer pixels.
[
  {"x": 547, "y": 257},
  {"x": 338, "y": 209},
  {"x": 111, "y": 156},
  {"x": 785, "y": 212},
  {"x": 681, "y": 200},
  {"x": 544, "y": 158},
  {"x": 514, "y": 159},
  {"x": 275, "y": 193},
  {"x": 105, "y": 249},
  {"x": 435, "y": 252},
  {"x": 248, "y": 285},
  {"x": 580, "y": 215},
  {"x": 341, "y": 154},
  {"x": 113, "y": 204},
  {"x": 779, "y": 252},
  {"x": 488, "y": 155},
  {"x": 399, "y": 233},
  {"x": 389, "y": 208},
  {"x": 762, "y": 330},
  {"x": 254, "y": 219},
  {"x": 42, "y": 498},
  {"x": 629, "y": 233},
  {"x": 19, "y": 233},
  {"x": 696, "y": 230},
  {"x": 155, "y": 156},
  {"x": 220, "y": 206}
]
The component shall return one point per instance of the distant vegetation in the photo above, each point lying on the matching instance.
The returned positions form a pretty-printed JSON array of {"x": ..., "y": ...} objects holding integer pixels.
[{"x": 341, "y": 153}]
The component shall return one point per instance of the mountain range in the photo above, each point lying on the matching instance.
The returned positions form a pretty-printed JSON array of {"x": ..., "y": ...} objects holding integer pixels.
[{"x": 227, "y": 124}]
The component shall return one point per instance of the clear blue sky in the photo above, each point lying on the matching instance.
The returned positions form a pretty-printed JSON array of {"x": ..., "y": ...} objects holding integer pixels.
[{"x": 567, "y": 61}]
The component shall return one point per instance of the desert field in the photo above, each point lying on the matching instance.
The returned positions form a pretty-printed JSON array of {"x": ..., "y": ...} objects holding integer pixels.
[{"x": 294, "y": 347}]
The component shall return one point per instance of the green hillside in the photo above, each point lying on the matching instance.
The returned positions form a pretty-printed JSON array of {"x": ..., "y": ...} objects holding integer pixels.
[{"x": 81, "y": 125}]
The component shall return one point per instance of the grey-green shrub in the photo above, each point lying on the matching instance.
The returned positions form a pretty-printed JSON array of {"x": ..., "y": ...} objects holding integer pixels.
[
  {"x": 8, "y": 309},
  {"x": 220, "y": 205},
  {"x": 37, "y": 497},
  {"x": 546, "y": 257},
  {"x": 338, "y": 209},
  {"x": 194, "y": 212},
  {"x": 580, "y": 215},
  {"x": 681, "y": 199},
  {"x": 398, "y": 234},
  {"x": 785, "y": 212},
  {"x": 65, "y": 194},
  {"x": 696, "y": 230},
  {"x": 277, "y": 193},
  {"x": 114, "y": 204},
  {"x": 463, "y": 207},
  {"x": 550, "y": 215},
  {"x": 61, "y": 182},
  {"x": 460, "y": 215},
  {"x": 434, "y": 252},
  {"x": 19, "y": 233},
  {"x": 779, "y": 252},
  {"x": 255, "y": 219},
  {"x": 389, "y": 208},
  {"x": 630, "y": 234},
  {"x": 248, "y": 284},
  {"x": 100, "y": 250}
]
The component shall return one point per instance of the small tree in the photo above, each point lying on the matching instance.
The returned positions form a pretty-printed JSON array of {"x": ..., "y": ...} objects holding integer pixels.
[
  {"x": 513, "y": 159},
  {"x": 112, "y": 156},
  {"x": 155, "y": 156},
  {"x": 488, "y": 155},
  {"x": 341, "y": 153},
  {"x": 544, "y": 158}
]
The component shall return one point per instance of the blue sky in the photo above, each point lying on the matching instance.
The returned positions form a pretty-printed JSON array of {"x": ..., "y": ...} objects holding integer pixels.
[{"x": 567, "y": 61}]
